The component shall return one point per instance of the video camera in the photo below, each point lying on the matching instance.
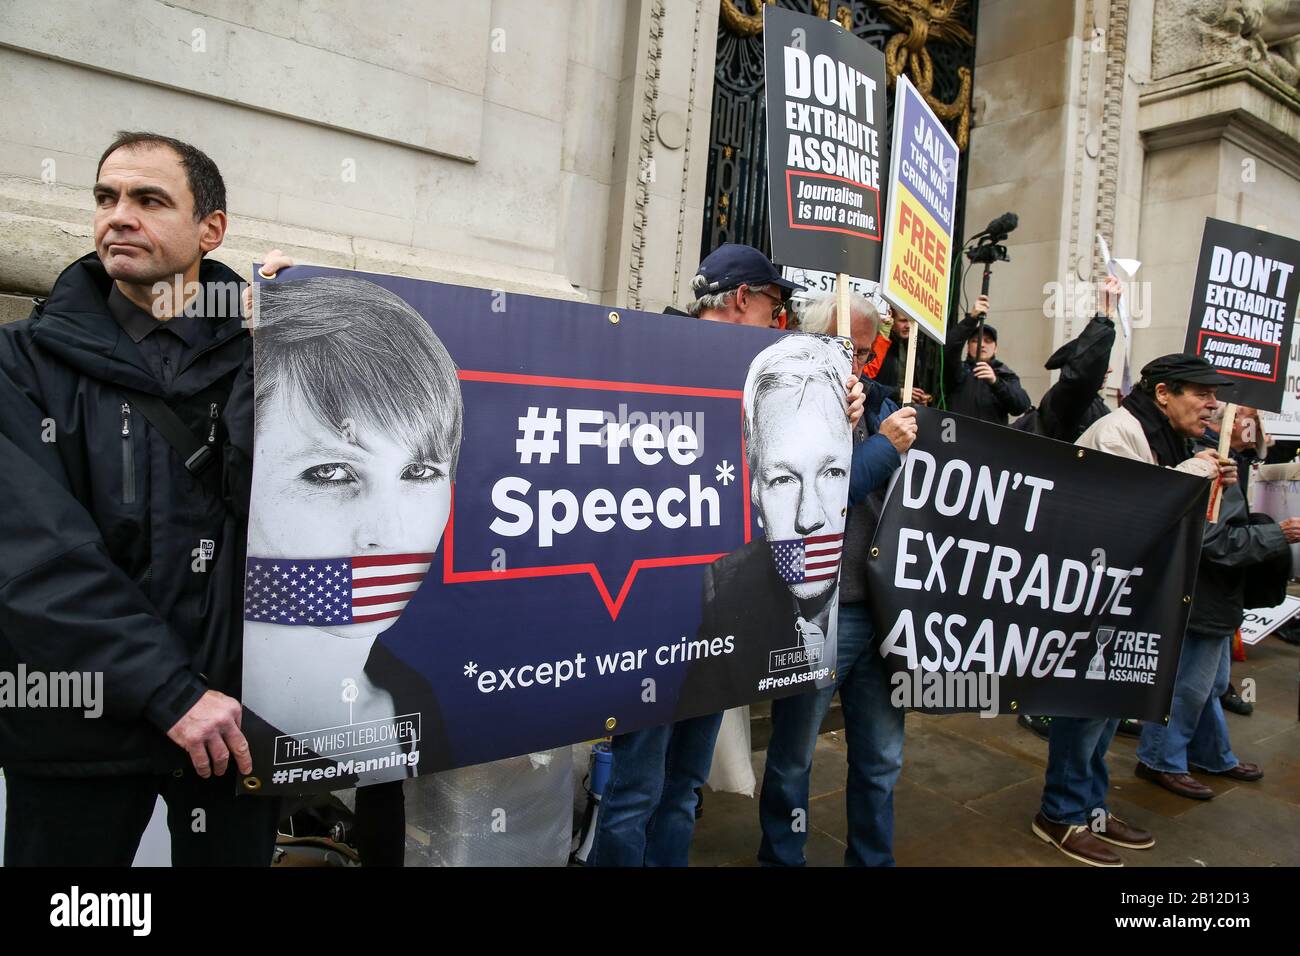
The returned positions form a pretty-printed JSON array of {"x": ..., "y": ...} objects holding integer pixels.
[{"x": 988, "y": 245}]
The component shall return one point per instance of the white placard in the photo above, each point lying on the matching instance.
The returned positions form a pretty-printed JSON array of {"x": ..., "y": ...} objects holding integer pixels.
[{"x": 1259, "y": 623}]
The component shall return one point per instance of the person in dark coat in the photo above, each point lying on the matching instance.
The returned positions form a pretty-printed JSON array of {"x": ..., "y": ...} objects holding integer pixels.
[
  {"x": 121, "y": 562},
  {"x": 980, "y": 386},
  {"x": 1237, "y": 551},
  {"x": 1069, "y": 407},
  {"x": 1072, "y": 403},
  {"x": 893, "y": 367}
]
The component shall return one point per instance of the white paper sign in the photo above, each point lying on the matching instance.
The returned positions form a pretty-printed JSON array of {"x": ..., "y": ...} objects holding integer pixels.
[{"x": 1259, "y": 623}]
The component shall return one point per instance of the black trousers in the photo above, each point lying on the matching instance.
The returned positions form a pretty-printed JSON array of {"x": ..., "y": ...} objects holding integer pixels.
[{"x": 98, "y": 821}]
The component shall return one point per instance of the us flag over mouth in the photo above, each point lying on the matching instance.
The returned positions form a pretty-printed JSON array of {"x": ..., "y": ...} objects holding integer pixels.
[
  {"x": 808, "y": 559},
  {"x": 298, "y": 591}
]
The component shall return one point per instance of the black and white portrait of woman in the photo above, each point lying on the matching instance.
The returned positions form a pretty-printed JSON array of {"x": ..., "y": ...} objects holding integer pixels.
[{"x": 359, "y": 421}]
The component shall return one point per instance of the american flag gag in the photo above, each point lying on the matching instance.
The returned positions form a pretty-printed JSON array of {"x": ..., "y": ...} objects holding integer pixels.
[
  {"x": 320, "y": 591},
  {"x": 815, "y": 558}
]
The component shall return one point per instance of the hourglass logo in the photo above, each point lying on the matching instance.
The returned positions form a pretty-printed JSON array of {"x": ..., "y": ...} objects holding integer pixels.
[{"x": 1097, "y": 666}]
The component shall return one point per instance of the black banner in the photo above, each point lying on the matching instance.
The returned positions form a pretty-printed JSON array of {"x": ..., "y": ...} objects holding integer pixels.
[
  {"x": 1242, "y": 307},
  {"x": 826, "y": 149},
  {"x": 1013, "y": 573}
]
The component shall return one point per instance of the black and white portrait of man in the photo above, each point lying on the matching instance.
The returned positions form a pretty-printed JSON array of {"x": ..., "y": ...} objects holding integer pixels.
[{"x": 776, "y": 596}]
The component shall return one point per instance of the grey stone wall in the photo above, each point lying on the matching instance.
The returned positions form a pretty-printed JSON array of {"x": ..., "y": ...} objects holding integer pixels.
[{"x": 499, "y": 143}]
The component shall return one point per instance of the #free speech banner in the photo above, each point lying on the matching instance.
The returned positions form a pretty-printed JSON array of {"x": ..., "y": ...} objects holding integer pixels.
[
  {"x": 1243, "y": 305},
  {"x": 826, "y": 156},
  {"x": 1065, "y": 573},
  {"x": 486, "y": 524},
  {"x": 916, "y": 272}
]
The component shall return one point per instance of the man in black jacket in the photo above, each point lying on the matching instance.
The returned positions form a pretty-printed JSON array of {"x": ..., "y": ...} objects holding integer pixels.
[
  {"x": 981, "y": 386},
  {"x": 122, "y": 530},
  {"x": 1237, "y": 545}
]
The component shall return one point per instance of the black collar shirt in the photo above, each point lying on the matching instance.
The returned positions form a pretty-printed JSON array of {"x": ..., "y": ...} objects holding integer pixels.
[{"x": 167, "y": 345}]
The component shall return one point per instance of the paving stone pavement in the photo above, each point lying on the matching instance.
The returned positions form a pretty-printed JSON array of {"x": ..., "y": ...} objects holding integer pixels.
[{"x": 971, "y": 785}]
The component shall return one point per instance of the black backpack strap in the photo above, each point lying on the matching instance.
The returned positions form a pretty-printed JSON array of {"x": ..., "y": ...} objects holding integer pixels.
[{"x": 196, "y": 452}]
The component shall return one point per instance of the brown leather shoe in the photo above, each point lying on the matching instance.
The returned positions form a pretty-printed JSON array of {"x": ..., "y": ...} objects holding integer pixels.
[
  {"x": 1076, "y": 842},
  {"x": 1123, "y": 834},
  {"x": 1248, "y": 772},
  {"x": 1179, "y": 783}
]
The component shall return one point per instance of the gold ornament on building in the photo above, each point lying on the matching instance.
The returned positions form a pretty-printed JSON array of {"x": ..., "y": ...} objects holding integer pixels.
[
  {"x": 740, "y": 23},
  {"x": 923, "y": 20},
  {"x": 822, "y": 8}
]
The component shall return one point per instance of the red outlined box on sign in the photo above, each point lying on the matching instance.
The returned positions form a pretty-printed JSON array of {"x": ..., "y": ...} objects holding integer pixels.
[
  {"x": 789, "y": 205},
  {"x": 1277, "y": 355},
  {"x": 613, "y": 603}
]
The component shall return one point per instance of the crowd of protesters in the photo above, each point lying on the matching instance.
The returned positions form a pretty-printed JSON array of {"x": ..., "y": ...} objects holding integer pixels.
[{"x": 154, "y": 400}]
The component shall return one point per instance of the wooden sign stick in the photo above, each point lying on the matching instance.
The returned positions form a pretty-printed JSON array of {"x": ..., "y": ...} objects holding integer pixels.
[
  {"x": 843, "y": 325},
  {"x": 1225, "y": 448},
  {"x": 905, "y": 397}
]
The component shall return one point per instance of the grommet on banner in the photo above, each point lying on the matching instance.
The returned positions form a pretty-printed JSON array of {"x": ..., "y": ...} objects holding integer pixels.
[
  {"x": 875, "y": 552},
  {"x": 252, "y": 783},
  {"x": 178, "y": 774},
  {"x": 1013, "y": 706},
  {"x": 1187, "y": 599},
  {"x": 833, "y": 676},
  {"x": 610, "y": 723},
  {"x": 613, "y": 318},
  {"x": 843, "y": 512},
  {"x": 1079, "y": 453},
  {"x": 264, "y": 275}
]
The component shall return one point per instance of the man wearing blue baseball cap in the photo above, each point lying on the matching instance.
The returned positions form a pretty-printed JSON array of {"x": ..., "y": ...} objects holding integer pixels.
[{"x": 739, "y": 284}]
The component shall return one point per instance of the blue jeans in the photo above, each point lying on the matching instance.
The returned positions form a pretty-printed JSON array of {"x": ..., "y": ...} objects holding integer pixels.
[
  {"x": 647, "y": 814},
  {"x": 1077, "y": 779},
  {"x": 1197, "y": 734},
  {"x": 873, "y": 729}
]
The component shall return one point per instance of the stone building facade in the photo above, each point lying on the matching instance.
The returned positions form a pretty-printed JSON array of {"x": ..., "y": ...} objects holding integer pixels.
[
  {"x": 1136, "y": 119},
  {"x": 561, "y": 148},
  {"x": 544, "y": 147}
]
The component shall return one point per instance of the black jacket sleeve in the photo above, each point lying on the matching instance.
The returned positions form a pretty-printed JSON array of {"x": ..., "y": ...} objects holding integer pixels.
[
  {"x": 1081, "y": 376},
  {"x": 64, "y": 604},
  {"x": 1010, "y": 395},
  {"x": 1233, "y": 542},
  {"x": 954, "y": 368}
]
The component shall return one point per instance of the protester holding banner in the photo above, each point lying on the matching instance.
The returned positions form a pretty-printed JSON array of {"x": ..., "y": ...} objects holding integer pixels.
[
  {"x": 123, "y": 544},
  {"x": 648, "y": 808},
  {"x": 981, "y": 386},
  {"x": 895, "y": 360},
  {"x": 1155, "y": 422},
  {"x": 1072, "y": 404},
  {"x": 873, "y": 728},
  {"x": 1242, "y": 554}
]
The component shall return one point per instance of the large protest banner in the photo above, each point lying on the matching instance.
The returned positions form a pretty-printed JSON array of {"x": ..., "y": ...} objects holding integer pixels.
[
  {"x": 917, "y": 269},
  {"x": 486, "y": 524},
  {"x": 826, "y": 156},
  {"x": 1243, "y": 306},
  {"x": 1058, "y": 579}
]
